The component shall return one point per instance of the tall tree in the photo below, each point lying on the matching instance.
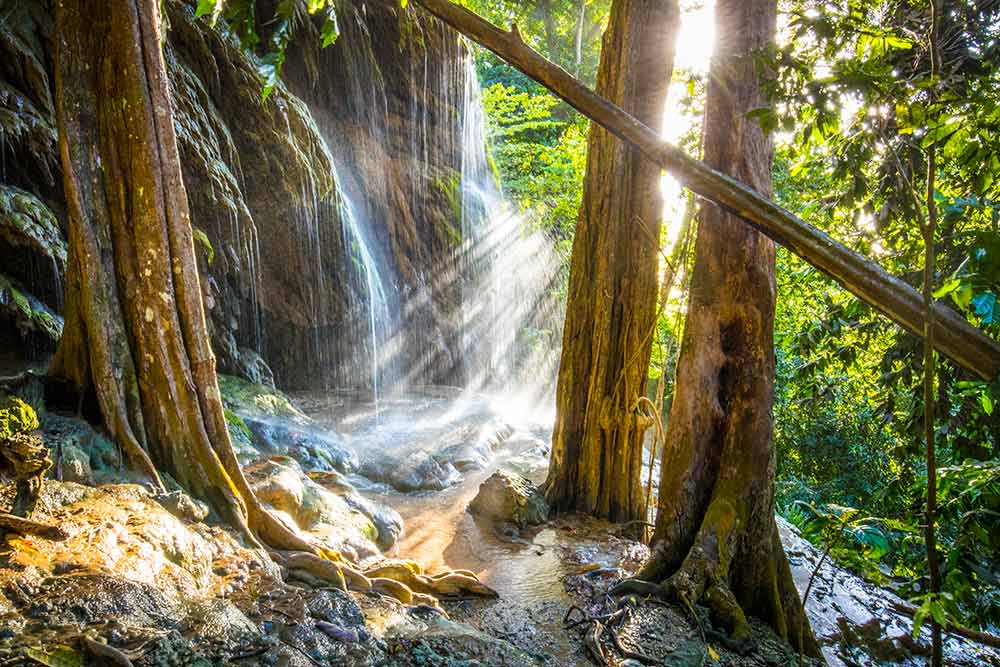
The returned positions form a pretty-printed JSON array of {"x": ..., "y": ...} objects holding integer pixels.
[
  {"x": 611, "y": 308},
  {"x": 715, "y": 538},
  {"x": 135, "y": 337}
]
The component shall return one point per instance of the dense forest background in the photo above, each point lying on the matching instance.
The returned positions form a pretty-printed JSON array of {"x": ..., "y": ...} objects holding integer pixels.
[{"x": 853, "y": 123}]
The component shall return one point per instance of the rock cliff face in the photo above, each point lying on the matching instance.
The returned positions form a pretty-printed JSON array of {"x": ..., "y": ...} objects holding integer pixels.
[{"x": 329, "y": 217}]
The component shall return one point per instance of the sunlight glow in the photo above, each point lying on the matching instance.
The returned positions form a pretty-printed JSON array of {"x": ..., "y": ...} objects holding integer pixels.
[{"x": 695, "y": 42}]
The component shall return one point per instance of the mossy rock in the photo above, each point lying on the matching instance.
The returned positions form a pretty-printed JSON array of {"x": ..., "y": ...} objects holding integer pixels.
[
  {"x": 27, "y": 312},
  {"x": 249, "y": 400},
  {"x": 16, "y": 416},
  {"x": 26, "y": 223},
  {"x": 509, "y": 498}
]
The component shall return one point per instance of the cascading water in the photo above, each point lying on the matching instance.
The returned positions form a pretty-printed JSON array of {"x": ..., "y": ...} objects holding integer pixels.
[
  {"x": 509, "y": 271},
  {"x": 379, "y": 316}
]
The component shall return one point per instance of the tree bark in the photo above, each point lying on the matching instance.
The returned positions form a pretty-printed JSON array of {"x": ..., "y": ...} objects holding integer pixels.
[
  {"x": 135, "y": 336},
  {"x": 955, "y": 337},
  {"x": 715, "y": 538},
  {"x": 596, "y": 463}
]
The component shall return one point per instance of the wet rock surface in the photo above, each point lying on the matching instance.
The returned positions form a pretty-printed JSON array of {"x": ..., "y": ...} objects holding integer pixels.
[
  {"x": 855, "y": 620},
  {"x": 341, "y": 519},
  {"x": 509, "y": 498},
  {"x": 263, "y": 422},
  {"x": 146, "y": 575}
]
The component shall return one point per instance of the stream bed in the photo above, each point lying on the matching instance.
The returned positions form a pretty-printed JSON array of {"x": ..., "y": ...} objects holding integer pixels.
[{"x": 426, "y": 454}]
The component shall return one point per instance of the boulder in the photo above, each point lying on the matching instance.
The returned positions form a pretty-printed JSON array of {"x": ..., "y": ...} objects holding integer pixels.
[
  {"x": 263, "y": 421},
  {"x": 509, "y": 498},
  {"x": 74, "y": 465},
  {"x": 82, "y": 454},
  {"x": 336, "y": 515},
  {"x": 418, "y": 471},
  {"x": 314, "y": 448}
]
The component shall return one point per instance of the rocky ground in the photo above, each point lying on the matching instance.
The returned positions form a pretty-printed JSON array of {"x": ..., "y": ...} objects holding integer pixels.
[{"x": 149, "y": 580}]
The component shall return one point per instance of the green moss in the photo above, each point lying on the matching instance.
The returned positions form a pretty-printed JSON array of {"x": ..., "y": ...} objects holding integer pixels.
[
  {"x": 16, "y": 416},
  {"x": 449, "y": 186},
  {"x": 246, "y": 398},
  {"x": 237, "y": 426},
  {"x": 202, "y": 238},
  {"x": 27, "y": 311},
  {"x": 26, "y": 222}
]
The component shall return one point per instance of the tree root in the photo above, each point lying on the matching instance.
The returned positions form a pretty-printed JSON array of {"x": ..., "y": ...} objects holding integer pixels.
[
  {"x": 609, "y": 624},
  {"x": 105, "y": 653},
  {"x": 681, "y": 588},
  {"x": 403, "y": 580},
  {"x": 453, "y": 583},
  {"x": 28, "y": 527}
]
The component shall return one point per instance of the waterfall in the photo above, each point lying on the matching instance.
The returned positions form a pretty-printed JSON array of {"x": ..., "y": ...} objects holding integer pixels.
[
  {"x": 379, "y": 316},
  {"x": 509, "y": 271}
]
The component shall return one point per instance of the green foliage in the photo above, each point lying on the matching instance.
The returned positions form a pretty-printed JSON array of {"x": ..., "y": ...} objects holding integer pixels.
[
  {"x": 269, "y": 40},
  {"x": 541, "y": 159},
  {"x": 567, "y": 32},
  {"x": 852, "y": 92},
  {"x": 202, "y": 239}
]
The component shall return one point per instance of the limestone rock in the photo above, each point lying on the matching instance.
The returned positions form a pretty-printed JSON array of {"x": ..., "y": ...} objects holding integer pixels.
[
  {"x": 418, "y": 471},
  {"x": 339, "y": 516},
  {"x": 183, "y": 506},
  {"x": 74, "y": 465},
  {"x": 509, "y": 498}
]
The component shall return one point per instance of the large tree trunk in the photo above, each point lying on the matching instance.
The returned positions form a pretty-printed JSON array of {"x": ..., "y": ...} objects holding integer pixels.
[
  {"x": 715, "y": 538},
  {"x": 135, "y": 337},
  {"x": 597, "y": 442}
]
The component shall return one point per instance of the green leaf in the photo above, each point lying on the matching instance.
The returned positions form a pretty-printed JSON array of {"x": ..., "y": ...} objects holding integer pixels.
[
  {"x": 765, "y": 117},
  {"x": 919, "y": 617},
  {"x": 208, "y": 7},
  {"x": 330, "y": 30},
  {"x": 938, "y": 613},
  {"x": 948, "y": 287},
  {"x": 987, "y": 400},
  {"x": 57, "y": 656},
  {"x": 985, "y": 305}
]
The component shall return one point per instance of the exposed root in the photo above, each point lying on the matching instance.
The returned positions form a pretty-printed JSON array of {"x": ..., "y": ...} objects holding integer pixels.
[
  {"x": 27, "y": 527},
  {"x": 393, "y": 588},
  {"x": 692, "y": 582},
  {"x": 610, "y": 625},
  {"x": 454, "y": 583},
  {"x": 727, "y": 614},
  {"x": 340, "y": 575},
  {"x": 636, "y": 587},
  {"x": 105, "y": 653}
]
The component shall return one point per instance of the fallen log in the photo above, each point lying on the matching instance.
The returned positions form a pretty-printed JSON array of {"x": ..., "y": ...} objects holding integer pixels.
[
  {"x": 953, "y": 335},
  {"x": 984, "y": 638}
]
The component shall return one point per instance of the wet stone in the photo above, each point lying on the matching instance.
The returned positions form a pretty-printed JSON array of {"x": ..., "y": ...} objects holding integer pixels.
[{"x": 509, "y": 498}]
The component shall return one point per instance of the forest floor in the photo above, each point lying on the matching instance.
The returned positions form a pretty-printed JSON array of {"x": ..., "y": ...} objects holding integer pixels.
[{"x": 142, "y": 574}]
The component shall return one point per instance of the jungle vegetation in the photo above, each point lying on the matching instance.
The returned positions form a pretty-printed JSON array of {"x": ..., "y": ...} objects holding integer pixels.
[
  {"x": 874, "y": 121},
  {"x": 855, "y": 110}
]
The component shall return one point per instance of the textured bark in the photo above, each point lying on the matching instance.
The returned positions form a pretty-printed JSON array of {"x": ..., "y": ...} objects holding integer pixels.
[
  {"x": 135, "y": 337},
  {"x": 715, "y": 537},
  {"x": 596, "y": 462}
]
